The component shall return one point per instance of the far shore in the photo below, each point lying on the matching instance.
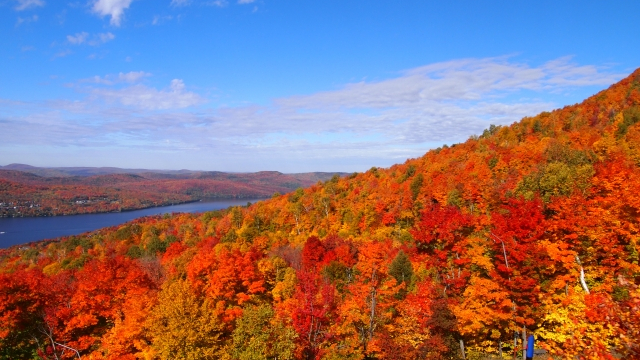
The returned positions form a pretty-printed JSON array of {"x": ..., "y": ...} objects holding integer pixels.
[{"x": 207, "y": 199}]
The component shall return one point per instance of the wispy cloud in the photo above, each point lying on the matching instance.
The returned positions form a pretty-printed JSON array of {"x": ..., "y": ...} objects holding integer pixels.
[
  {"x": 147, "y": 98},
  {"x": 113, "y": 8},
  {"x": 28, "y": 4},
  {"x": 178, "y": 3},
  {"x": 218, "y": 3},
  {"x": 133, "y": 76},
  {"x": 388, "y": 120},
  {"x": 101, "y": 38},
  {"x": 460, "y": 80},
  {"x": 159, "y": 19},
  {"x": 78, "y": 38},
  {"x": 129, "y": 77},
  {"x": 26, "y": 20},
  {"x": 62, "y": 53},
  {"x": 85, "y": 38}
]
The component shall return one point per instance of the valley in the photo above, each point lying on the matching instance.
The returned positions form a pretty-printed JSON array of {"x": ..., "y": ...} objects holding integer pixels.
[{"x": 33, "y": 191}]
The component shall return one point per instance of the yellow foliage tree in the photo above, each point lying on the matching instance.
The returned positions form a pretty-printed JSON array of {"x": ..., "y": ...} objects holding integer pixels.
[{"x": 183, "y": 326}]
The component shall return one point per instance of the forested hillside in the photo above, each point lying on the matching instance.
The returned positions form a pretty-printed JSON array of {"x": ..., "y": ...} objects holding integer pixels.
[
  {"x": 532, "y": 227},
  {"x": 25, "y": 193}
]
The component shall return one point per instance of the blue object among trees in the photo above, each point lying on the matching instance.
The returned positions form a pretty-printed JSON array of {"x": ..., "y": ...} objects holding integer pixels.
[{"x": 530, "y": 346}]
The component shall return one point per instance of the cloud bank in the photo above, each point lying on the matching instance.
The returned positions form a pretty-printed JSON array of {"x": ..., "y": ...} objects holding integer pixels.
[{"x": 382, "y": 121}]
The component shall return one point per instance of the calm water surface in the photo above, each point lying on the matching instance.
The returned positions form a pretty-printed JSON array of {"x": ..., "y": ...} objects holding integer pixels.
[{"x": 14, "y": 231}]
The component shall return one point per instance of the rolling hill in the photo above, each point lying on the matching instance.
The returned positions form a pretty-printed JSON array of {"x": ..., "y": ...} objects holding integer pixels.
[
  {"x": 532, "y": 228},
  {"x": 25, "y": 193}
]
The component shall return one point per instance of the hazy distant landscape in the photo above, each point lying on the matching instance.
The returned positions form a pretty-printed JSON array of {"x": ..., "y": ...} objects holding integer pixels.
[{"x": 33, "y": 191}]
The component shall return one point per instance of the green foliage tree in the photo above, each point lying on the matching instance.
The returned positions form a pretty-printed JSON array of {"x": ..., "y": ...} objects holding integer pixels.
[
  {"x": 134, "y": 252},
  {"x": 156, "y": 246},
  {"x": 402, "y": 270},
  {"x": 416, "y": 185},
  {"x": 631, "y": 116},
  {"x": 556, "y": 179}
]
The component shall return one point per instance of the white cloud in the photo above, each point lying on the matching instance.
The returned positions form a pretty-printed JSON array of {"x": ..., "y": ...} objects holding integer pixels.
[
  {"x": 133, "y": 76},
  {"x": 27, "y": 4},
  {"x": 95, "y": 40},
  {"x": 461, "y": 80},
  {"x": 146, "y": 98},
  {"x": 113, "y": 8},
  {"x": 245, "y": 1},
  {"x": 438, "y": 102}
]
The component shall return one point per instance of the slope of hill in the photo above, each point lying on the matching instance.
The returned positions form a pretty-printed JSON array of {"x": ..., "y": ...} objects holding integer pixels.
[
  {"x": 27, "y": 194},
  {"x": 529, "y": 228}
]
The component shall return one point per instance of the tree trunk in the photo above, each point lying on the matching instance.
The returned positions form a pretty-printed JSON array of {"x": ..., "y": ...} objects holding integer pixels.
[
  {"x": 462, "y": 349},
  {"x": 372, "y": 313},
  {"x": 524, "y": 343},
  {"x": 582, "y": 281}
]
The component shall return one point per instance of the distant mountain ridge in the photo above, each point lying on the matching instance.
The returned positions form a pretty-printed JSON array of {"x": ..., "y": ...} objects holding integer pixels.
[
  {"x": 91, "y": 171},
  {"x": 78, "y": 171}
]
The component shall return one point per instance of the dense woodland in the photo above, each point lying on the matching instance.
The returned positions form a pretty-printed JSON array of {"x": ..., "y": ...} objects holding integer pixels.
[
  {"x": 532, "y": 227},
  {"x": 24, "y": 193}
]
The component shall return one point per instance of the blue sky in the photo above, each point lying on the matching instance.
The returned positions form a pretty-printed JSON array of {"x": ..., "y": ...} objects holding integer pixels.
[{"x": 289, "y": 85}]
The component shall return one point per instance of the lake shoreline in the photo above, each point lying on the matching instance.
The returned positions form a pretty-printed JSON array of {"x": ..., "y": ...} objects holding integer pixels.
[{"x": 24, "y": 230}]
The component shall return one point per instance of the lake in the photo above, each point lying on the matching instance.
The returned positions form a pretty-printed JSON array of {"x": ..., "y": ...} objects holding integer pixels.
[{"x": 14, "y": 231}]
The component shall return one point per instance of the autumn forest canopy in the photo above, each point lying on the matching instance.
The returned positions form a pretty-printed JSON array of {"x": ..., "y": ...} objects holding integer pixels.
[{"x": 528, "y": 228}]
